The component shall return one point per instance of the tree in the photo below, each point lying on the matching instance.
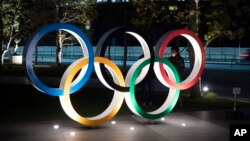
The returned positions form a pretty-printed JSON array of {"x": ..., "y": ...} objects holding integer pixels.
[
  {"x": 79, "y": 12},
  {"x": 157, "y": 17},
  {"x": 235, "y": 21},
  {"x": 10, "y": 12},
  {"x": 207, "y": 22},
  {"x": 202, "y": 17}
]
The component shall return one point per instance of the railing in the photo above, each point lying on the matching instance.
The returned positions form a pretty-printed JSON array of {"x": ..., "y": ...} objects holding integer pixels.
[{"x": 216, "y": 54}]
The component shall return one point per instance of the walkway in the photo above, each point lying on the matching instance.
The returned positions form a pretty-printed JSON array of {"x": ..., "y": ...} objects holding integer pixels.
[{"x": 189, "y": 126}]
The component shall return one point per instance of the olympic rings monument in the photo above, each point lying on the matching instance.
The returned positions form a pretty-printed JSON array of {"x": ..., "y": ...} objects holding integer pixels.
[{"x": 123, "y": 86}]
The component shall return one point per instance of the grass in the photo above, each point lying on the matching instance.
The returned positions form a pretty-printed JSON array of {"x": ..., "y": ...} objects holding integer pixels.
[
  {"x": 11, "y": 70},
  {"x": 210, "y": 101},
  {"x": 18, "y": 70}
]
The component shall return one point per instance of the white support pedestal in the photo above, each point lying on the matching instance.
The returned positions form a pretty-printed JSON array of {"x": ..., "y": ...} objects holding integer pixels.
[{"x": 16, "y": 59}]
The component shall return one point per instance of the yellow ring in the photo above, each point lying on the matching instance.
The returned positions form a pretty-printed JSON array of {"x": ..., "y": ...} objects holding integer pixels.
[{"x": 65, "y": 98}]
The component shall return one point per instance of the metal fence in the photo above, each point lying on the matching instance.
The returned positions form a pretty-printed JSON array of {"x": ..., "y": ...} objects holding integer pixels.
[{"x": 217, "y": 54}]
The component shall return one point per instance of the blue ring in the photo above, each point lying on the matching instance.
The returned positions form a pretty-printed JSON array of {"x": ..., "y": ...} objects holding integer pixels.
[{"x": 29, "y": 49}]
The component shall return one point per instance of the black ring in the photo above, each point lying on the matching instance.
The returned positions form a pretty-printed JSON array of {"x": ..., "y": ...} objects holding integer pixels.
[{"x": 102, "y": 46}]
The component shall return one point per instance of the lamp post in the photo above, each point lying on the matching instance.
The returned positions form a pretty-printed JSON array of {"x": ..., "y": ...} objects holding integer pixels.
[
  {"x": 125, "y": 40},
  {"x": 88, "y": 29},
  {"x": 16, "y": 40},
  {"x": 195, "y": 91},
  {"x": 197, "y": 14},
  {"x": 194, "y": 13}
]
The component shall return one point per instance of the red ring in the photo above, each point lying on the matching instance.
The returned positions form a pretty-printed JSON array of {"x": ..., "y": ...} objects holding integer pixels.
[{"x": 163, "y": 46}]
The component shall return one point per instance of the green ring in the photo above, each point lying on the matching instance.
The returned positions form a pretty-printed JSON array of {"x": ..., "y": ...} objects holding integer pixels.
[{"x": 132, "y": 89}]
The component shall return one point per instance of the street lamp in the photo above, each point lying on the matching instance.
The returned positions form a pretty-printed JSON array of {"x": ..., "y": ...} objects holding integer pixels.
[
  {"x": 16, "y": 40},
  {"x": 87, "y": 25},
  {"x": 172, "y": 7},
  {"x": 205, "y": 89}
]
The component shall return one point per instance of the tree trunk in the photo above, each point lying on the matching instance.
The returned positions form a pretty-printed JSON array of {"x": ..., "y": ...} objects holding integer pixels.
[
  {"x": 125, "y": 53},
  {"x": 1, "y": 30},
  {"x": 2, "y": 57},
  {"x": 59, "y": 44},
  {"x": 4, "y": 50},
  {"x": 193, "y": 24}
]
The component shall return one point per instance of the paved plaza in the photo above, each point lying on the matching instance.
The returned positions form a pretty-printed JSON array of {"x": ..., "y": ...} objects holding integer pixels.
[{"x": 187, "y": 126}]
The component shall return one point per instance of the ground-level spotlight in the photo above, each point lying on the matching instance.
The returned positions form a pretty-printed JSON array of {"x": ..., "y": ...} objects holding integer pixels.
[
  {"x": 183, "y": 124},
  {"x": 162, "y": 119},
  {"x": 113, "y": 122},
  {"x": 205, "y": 89},
  {"x": 56, "y": 126},
  {"x": 132, "y": 128},
  {"x": 72, "y": 133}
]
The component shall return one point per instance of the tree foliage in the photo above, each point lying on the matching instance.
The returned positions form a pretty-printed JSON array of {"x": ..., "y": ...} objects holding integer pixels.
[
  {"x": 158, "y": 16},
  {"x": 78, "y": 12},
  {"x": 10, "y": 21},
  {"x": 228, "y": 18},
  {"x": 10, "y": 13}
]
